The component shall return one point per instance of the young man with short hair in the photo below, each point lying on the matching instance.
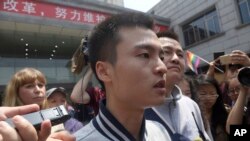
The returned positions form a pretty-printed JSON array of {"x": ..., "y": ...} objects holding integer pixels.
[{"x": 126, "y": 56}]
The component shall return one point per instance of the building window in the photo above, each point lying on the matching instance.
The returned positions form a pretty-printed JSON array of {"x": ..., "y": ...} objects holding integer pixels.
[
  {"x": 244, "y": 9},
  {"x": 201, "y": 28}
]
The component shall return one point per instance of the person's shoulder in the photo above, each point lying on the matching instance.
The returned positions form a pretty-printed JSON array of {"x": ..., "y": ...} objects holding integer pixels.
[
  {"x": 151, "y": 124},
  {"x": 86, "y": 132},
  {"x": 156, "y": 130},
  {"x": 189, "y": 103},
  {"x": 89, "y": 133},
  {"x": 188, "y": 100}
]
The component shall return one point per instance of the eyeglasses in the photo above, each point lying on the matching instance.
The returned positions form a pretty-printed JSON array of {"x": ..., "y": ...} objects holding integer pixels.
[
  {"x": 234, "y": 90},
  {"x": 209, "y": 95}
]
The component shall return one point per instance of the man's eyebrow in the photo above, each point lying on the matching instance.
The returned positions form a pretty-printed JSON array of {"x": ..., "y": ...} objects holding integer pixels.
[
  {"x": 167, "y": 47},
  {"x": 171, "y": 48},
  {"x": 180, "y": 51},
  {"x": 148, "y": 47},
  {"x": 145, "y": 46}
]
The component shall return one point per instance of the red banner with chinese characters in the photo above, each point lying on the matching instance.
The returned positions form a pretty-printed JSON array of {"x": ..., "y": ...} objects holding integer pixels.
[
  {"x": 59, "y": 12},
  {"x": 49, "y": 10}
]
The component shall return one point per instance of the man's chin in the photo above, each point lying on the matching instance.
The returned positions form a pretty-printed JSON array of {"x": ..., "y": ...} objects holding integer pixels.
[
  {"x": 158, "y": 102},
  {"x": 173, "y": 78}
]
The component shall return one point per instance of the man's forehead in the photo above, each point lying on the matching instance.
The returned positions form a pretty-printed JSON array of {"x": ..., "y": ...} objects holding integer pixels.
[
  {"x": 168, "y": 40},
  {"x": 138, "y": 35},
  {"x": 170, "y": 43},
  {"x": 131, "y": 31}
]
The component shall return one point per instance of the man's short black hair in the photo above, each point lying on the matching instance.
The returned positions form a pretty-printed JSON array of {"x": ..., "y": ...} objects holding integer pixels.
[
  {"x": 105, "y": 36},
  {"x": 169, "y": 33}
]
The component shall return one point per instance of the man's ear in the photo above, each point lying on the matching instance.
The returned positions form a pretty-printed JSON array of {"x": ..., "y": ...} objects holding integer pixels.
[{"x": 103, "y": 71}]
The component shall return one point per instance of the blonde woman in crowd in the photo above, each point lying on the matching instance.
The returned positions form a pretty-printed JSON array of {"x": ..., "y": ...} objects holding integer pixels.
[{"x": 27, "y": 86}]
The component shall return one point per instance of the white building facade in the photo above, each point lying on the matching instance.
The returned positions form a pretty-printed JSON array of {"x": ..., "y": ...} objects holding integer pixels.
[{"x": 208, "y": 27}]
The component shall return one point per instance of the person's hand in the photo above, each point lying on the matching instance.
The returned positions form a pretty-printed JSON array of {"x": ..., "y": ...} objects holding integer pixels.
[
  {"x": 25, "y": 130},
  {"x": 6, "y": 112},
  {"x": 210, "y": 71},
  {"x": 239, "y": 57},
  {"x": 61, "y": 136}
]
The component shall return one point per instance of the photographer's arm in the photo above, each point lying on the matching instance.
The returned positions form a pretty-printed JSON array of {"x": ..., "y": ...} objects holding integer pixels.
[
  {"x": 235, "y": 117},
  {"x": 210, "y": 71},
  {"x": 79, "y": 94}
]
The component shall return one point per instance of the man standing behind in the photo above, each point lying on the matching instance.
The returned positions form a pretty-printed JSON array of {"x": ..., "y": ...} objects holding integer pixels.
[
  {"x": 179, "y": 114},
  {"x": 126, "y": 56}
]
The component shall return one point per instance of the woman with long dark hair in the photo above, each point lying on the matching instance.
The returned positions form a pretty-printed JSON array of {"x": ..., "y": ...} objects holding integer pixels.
[{"x": 212, "y": 106}]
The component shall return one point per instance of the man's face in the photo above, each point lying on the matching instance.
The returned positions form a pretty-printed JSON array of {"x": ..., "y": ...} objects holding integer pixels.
[
  {"x": 173, "y": 59},
  {"x": 138, "y": 74}
]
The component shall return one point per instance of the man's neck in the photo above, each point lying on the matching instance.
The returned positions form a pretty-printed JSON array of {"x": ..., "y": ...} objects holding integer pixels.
[
  {"x": 129, "y": 117},
  {"x": 169, "y": 89}
]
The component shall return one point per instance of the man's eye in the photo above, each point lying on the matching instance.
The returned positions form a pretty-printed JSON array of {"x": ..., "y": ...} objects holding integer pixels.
[
  {"x": 181, "y": 55},
  {"x": 144, "y": 55},
  {"x": 203, "y": 94},
  {"x": 167, "y": 52},
  {"x": 40, "y": 85}
]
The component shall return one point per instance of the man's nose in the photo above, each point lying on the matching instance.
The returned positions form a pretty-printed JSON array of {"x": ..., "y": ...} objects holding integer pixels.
[{"x": 161, "y": 67}]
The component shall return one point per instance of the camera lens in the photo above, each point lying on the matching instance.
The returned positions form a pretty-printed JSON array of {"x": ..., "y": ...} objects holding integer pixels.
[{"x": 244, "y": 76}]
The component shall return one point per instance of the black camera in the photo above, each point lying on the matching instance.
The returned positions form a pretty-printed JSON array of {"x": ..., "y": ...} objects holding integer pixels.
[{"x": 244, "y": 76}]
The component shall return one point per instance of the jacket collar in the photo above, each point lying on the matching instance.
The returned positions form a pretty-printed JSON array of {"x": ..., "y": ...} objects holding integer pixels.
[
  {"x": 175, "y": 95},
  {"x": 111, "y": 128}
]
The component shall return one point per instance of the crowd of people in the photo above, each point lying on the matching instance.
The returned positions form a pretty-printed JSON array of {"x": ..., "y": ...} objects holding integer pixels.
[{"x": 144, "y": 91}]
